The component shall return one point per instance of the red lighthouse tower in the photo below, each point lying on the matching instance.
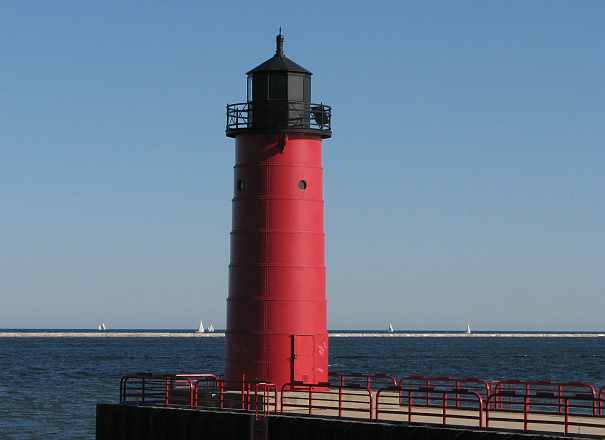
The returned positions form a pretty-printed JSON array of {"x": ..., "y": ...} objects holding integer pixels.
[{"x": 276, "y": 307}]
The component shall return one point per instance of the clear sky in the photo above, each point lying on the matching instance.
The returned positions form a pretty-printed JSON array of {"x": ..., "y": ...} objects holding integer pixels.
[{"x": 464, "y": 182}]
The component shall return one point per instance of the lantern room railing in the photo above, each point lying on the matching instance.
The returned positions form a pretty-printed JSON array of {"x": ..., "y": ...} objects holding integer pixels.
[{"x": 279, "y": 115}]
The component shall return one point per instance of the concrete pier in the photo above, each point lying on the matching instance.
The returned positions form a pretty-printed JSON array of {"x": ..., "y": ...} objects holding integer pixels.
[{"x": 121, "y": 422}]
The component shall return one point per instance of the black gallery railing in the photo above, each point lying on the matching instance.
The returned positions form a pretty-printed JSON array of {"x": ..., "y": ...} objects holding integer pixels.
[{"x": 279, "y": 115}]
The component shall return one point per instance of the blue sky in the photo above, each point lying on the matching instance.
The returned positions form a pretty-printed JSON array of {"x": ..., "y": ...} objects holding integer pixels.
[{"x": 464, "y": 182}]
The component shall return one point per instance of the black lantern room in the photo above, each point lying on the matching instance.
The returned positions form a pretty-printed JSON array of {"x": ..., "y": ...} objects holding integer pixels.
[{"x": 279, "y": 99}]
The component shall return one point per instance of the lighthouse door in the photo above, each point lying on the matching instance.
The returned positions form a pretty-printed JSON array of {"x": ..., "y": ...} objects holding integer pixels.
[{"x": 302, "y": 359}]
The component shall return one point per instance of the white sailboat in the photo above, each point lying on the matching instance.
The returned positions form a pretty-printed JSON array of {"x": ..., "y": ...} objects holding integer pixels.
[
  {"x": 100, "y": 327},
  {"x": 391, "y": 330},
  {"x": 103, "y": 327},
  {"x": 468, "y": 329},
  {"x": 210, "y": 328},
  {"x": 201, "y": 328}
]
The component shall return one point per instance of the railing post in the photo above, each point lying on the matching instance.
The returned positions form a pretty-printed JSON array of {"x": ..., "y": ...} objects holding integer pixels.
[
  {"x": 265, "y": 400},
  {"x": 457, "y": 393},
  {"x": 281, "y": 400},
  {"x": 256, "y": 386},
  {"x": 528, "y": 393},
  {"x": 340, "y": 400},
  {"x": 196, "y": 393},
  {"x": 444, "y": 407},
  {"x": 566, "y": 416},
  {"x": 480, "y": 411},
  {"x": 143, "y": 390},
  {"x": 525, "y": 412},
  {"x": 400, "y": 395},
  {"x": 194, "y": 389},
  {"x": 409, "y": 406},
  {"x": 125, "y": 388},
  {"x": 243, "y": 391},
  {"x": 428, "y": 385},
  {"x": 167, "y": 384},
  {"x": 221, "y": 398},
  {"x": 310, "y": 399}
]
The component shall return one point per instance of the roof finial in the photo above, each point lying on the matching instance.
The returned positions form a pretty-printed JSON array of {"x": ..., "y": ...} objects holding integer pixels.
[{"x": 279, "y": 44}]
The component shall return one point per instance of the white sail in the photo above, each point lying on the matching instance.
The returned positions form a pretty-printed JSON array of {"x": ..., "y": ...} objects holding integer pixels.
[
  {"x": 210, "y": 328},
  {"x": 468, "y": 329},
  {"x": 103, "y": 327},
  {"x": 201, "y": 328},
  {"x": 99, "y": 327},
  {"x": 391, "y": 328}
]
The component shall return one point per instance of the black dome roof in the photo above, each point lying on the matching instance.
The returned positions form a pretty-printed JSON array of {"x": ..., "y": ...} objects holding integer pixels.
[{"x": 279, "y": 62}]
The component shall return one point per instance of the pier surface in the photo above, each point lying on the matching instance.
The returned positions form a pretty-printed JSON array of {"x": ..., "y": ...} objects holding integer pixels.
[{"x": 143, "y": 334}]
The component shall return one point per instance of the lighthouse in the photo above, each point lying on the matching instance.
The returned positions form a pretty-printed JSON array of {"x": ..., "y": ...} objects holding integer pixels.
[{"x": 276, "y": 305}]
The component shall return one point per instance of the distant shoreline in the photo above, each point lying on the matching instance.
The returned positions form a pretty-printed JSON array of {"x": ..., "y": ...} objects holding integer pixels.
[{"x": 361, "y": 334}]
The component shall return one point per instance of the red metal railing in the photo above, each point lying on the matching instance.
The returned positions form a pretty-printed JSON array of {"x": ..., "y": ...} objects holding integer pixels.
[
  {"x": 542, "y": 408},
  {"x": 199, "y": 391},
  {"x": 269, "y": 390},
  {"x": 547, "y": 389},
  {"x": 427, "y": 386},
  {"x": 399, "y": 401},
  {"x": 197, "y": 381},
  {"x": 352, "y": 402},
  {"x": 157, "y": 389},
  {"x": 537, "y": 405}
]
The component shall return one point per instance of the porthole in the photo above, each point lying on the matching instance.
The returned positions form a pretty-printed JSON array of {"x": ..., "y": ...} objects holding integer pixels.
[
  {"x": 302, "y": 185},
  {"x": 241, "y": 185}
]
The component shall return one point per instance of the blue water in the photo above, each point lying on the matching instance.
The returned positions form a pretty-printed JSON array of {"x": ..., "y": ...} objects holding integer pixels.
[{"x": 49, "y": 386}]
